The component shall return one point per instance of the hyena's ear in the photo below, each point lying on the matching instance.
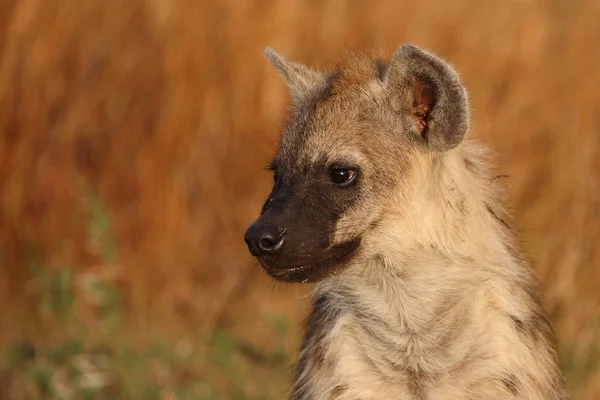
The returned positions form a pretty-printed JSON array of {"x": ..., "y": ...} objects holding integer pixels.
[
  {"x": 428, "y": 91},
  {"x": 301, "y": 79}
]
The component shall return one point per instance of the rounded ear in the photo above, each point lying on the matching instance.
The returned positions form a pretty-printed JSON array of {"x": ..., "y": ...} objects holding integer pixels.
[
  {"x": 428, "y": 92},
  {"x": 301, "y": 79}
]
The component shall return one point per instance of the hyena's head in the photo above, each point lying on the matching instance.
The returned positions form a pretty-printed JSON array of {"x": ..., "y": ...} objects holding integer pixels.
[{"x": 346, "y": 155}]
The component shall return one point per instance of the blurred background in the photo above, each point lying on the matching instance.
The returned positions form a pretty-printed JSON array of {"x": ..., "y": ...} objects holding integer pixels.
[{"x": 133, "y": 140}]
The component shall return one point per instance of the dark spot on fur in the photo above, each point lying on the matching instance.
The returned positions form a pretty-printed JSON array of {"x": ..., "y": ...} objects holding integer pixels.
[
  {"x": 542, "y": 328},
  {"x": 416, "y": 384},
  {"x": 313, "y": 358},
  {"x": 375, "y": 223},
  {"x": 318, "y": 356},
  {"x": 503, "y": 222},
  {"x": 300, "y": 390},
  {"x": 368, "y": 324},
  {"x": 376, "y": 365},
  {"x": 511, "y": 384},
  {"x": 519, "y": 325},
  {"x": 321, "y": 315},
  {"x": 459, "y": 205},
  {"x": 337, "y": 391},
  {"x": 537, "y": 326},
  {"x": 381, "y": 346},
  {"x": 382, "y": 67},
  {"x": 470, "y": 165}
]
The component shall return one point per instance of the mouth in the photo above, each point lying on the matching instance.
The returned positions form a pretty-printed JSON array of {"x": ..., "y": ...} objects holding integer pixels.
[
  {"x": 292, "y": 270},
  {"x": 292, "y": 274},
  {"x": 337, "y": 256}
]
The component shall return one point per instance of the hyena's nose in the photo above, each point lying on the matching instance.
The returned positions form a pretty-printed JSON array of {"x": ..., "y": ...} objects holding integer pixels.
[{"x": 264, "y": 240}]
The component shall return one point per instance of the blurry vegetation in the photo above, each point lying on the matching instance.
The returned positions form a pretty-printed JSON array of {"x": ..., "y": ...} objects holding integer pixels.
[
  {"x": 99, "y": 361},
  {"x": 133, "y": 139}
]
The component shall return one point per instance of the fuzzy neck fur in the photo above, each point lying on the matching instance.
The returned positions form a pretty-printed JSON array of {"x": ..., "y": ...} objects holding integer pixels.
[{"x": 444, "y": 309}]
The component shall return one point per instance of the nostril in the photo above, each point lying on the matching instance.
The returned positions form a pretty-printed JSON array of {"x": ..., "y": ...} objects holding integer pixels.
[
  {"x": 267, "y": 242},
  {"x": 271, "y": 241}
]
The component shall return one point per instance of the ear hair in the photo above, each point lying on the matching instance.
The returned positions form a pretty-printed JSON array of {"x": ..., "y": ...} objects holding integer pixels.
[
  {"x": 300, "y": 78},
  {"x": 428, "y": 91}
]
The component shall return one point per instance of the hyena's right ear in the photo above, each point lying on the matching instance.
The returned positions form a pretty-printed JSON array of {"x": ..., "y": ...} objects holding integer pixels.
[
  {"x": 301, "y": 79},
  {"x": 428, "y": 91}
]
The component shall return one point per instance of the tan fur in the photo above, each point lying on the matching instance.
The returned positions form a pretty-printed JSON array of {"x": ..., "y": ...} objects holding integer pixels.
[{"x": 437, "y": 304}]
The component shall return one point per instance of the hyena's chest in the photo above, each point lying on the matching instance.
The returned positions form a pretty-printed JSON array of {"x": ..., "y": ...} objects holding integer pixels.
[
  {"x": 349, "y": 361},
  {"x": 341, "y": 361}
]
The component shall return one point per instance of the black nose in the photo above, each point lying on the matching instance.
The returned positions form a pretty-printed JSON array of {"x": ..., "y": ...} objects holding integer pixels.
[{"x": 264, "y": 240}]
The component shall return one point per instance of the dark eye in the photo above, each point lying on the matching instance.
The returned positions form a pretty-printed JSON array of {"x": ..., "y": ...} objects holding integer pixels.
[
  {"x": 343, "y": 176},
  {"x": 275, "y": 177}
]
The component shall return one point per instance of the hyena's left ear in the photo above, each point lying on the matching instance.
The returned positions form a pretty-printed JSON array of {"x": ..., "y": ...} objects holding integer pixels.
[
  {"x": 301, "y": 79},
  {"x": 428, "y": 91}
]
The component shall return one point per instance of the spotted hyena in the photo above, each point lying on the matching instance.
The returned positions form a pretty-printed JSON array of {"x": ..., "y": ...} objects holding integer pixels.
[{"x": 383, "y": 202}]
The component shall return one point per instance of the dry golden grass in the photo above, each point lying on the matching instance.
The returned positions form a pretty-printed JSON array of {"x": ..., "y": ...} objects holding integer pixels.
[{"x": 167, "y": 112}]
